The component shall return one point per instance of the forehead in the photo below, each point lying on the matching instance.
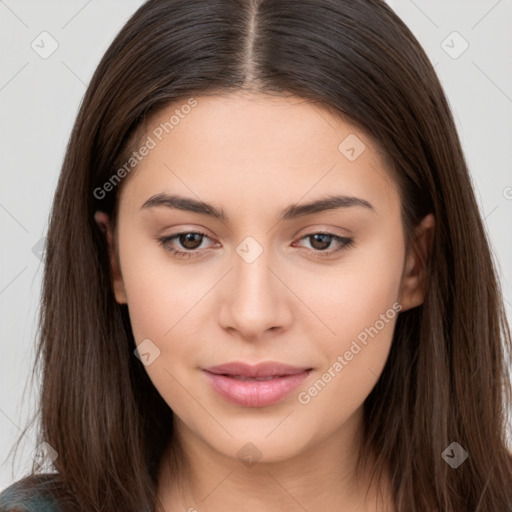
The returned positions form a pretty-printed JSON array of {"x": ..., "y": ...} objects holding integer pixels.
[{"x": 248, "y": 148}]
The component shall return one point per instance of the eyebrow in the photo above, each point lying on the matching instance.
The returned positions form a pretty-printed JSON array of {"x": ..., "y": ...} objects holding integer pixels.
[{"x": 291, "y": 212}]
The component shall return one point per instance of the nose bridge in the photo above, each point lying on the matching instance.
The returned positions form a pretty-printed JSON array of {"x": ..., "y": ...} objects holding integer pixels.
[
  {"x": 255, "y": 299},
  {"x": 253, "y": 279}
]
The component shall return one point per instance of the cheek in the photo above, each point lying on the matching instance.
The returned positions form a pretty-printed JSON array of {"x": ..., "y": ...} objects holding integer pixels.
[
  {"x": 350, "y": 295},
  {"x": 162, "y": 295},
  {"x": 361, "y": 306},
  {"x": 164, "y": 302}
]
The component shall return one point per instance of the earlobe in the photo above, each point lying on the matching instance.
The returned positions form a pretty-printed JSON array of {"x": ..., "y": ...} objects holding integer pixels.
[
  {"x": 103, "y": 221},
  {"x": 414, "y": 279}
]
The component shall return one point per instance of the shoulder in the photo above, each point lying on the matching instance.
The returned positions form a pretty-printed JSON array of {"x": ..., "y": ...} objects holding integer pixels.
[{"x": 34, "y": 493}]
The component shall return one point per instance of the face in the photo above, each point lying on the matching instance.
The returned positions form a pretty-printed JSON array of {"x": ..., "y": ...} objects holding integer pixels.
[{"x": 317, "y": 289}]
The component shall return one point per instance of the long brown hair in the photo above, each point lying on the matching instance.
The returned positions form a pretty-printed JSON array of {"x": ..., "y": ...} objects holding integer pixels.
[{"x": 446, "y": 376}]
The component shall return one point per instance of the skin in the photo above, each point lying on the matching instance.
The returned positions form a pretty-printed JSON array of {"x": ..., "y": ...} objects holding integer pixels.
[{"x": 252, "y": 156}]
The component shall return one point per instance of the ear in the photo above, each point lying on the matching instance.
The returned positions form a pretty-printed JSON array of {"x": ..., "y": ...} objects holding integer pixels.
[
  {"x": 414, "y": 277},
  {"x": 103, "y": 221}
]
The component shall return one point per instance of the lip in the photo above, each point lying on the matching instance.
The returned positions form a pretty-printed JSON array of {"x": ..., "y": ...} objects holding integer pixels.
[
  {"x": 236, "y": 382},
  {"x": 265, "y": 369}
]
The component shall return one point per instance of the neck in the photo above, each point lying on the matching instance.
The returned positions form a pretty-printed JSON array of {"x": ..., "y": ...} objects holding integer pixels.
[{"x": 320, "y": 476}]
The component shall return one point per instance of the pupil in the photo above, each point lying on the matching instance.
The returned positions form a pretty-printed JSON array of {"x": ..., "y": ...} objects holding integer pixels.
[
  {"x": 189, "y": 238},
  {"x": 320, "y": 237}
]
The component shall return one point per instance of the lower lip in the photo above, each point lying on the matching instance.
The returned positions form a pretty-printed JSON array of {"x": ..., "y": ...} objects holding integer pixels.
[{"x": 255, "y": 393}]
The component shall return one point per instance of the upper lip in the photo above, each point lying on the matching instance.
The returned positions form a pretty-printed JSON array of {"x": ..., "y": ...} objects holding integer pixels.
[{"x": 266, "y": 369}]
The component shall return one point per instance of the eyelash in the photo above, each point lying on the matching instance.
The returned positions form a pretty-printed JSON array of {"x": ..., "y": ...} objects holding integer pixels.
[{"x": 165, "y": 242}]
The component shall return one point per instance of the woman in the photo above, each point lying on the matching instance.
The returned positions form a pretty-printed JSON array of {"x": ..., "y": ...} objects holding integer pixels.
[{"x": 267, "y": 283}]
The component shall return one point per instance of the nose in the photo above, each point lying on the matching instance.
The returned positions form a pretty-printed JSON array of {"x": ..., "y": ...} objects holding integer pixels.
[{"x": 255, "y": 298}]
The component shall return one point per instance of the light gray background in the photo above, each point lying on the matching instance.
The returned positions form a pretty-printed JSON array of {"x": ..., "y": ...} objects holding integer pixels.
[{"x": 39, "y": 99}]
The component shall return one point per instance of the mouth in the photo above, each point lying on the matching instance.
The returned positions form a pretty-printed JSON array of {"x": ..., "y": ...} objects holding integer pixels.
[
  {"x": 255, "y": 385},
  {"x": 260, "y": 379},
  {"x": 265, "y": 370}
]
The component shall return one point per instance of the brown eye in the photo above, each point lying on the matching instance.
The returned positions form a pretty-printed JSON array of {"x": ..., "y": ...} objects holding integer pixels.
[
  {"x": 321, "y": 243},
  {"x": 190, "y": 240}
]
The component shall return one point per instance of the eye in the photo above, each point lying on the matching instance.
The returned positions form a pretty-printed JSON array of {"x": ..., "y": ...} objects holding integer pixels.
[
  {"x": 191, "y": 241},
  {"x": 322, "y": 240}
]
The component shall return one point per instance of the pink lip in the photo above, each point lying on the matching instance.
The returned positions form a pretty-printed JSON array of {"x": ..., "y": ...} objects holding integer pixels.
[{"x": 227, "y": 380}]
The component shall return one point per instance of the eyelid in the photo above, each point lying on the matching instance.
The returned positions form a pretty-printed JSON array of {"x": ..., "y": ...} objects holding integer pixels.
[{"x": 343, "y": 242}]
